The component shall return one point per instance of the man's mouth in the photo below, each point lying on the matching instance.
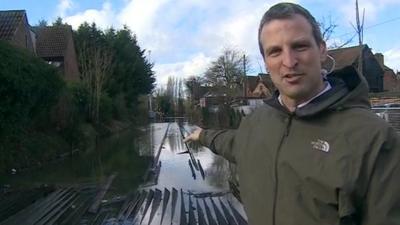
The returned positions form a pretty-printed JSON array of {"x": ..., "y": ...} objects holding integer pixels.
[{"x": 292, "y": 77}]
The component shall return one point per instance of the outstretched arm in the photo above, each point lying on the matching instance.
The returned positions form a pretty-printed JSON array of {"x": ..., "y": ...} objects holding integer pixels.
[{"x": 219, "y": 141}]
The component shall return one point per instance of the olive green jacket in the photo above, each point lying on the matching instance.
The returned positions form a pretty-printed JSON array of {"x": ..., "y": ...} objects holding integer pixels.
[{"x": 330, "y": 162}]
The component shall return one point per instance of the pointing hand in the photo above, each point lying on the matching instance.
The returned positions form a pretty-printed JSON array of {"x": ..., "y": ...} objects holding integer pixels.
[{"x": 194, "y": 136}]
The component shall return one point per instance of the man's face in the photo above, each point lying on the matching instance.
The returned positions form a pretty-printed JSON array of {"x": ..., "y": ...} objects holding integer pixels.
[{"x": 293, "y": 58}]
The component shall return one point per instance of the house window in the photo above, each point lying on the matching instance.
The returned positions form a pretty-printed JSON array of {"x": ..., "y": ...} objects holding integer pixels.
[{"x": 54, "y": 63}]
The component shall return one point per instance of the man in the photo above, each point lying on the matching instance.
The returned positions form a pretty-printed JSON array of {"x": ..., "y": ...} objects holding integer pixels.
[{"x": 315, "y": 154}]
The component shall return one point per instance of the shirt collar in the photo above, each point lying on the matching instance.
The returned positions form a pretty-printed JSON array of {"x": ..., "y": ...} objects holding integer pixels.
[{"x": 327, "y": 88}]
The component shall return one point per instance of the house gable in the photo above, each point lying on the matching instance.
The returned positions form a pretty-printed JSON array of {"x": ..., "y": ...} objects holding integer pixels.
[
  {"x": 15, "y": 29},
  {"x": 261, "y": 91},
  {"x": 391, "y": 81},
  {"x": 371, "y": 69},
  {"x": 55, "y": 44},
  {"x": 9, "y": 23},
  {"x": 260, "y": 86}
]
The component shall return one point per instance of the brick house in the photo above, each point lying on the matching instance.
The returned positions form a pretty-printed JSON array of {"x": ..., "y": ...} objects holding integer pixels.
[
  {"x": 55, "y": 45},
  {"x": 259, "y": 86},
  {"x": 205, "y": 96},
  {"x": 255, "y": 89},
  {"x": 372, "y": 70},
  {"x": 15, "y": 29},
  {"x": 213, "y": 97},
  {"x": 391, "y": 81}
]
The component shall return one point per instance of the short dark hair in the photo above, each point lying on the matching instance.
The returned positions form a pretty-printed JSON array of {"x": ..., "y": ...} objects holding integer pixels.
[{"x": 285, "y": 11}]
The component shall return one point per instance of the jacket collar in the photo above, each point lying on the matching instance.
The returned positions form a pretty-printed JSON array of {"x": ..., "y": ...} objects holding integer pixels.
[
  {"x": 348, "y": 90},
  {"x": 327, "y": 88}
]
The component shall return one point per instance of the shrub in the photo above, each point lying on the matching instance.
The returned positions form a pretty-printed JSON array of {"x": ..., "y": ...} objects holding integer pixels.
[{"x": 29, "y": 88}]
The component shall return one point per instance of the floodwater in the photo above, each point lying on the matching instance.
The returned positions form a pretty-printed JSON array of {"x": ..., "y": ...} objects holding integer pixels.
[
  {"x": 188, "y": 185},
  {"x": 115, "y": 154},
  {"x": 176, "y": 171},
  {"x": 200, "y": 190}
]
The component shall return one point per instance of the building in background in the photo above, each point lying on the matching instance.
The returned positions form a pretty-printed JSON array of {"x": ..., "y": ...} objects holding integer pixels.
[
  {"x": 371, "y": 69},
  {"x": 55, "y": 44},
  {"x": 15, "y": 29},
  {"x": 391, "y": 81}
]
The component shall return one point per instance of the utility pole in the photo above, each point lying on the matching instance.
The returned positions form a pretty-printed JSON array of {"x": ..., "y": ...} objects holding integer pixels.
[
  {"x": 360, "y": 31},
  {"x": 245, "y": 76}
]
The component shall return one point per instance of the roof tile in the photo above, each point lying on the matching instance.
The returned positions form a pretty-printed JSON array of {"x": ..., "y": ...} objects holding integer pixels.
[
  {"x": 9, "y": 22},
  {"x": 345, "y": 56},
  {"x": 52, "y": 41}
]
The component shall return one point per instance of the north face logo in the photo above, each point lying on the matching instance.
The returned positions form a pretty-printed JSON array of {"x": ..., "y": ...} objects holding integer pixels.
[{"x": 320, "y": 145}]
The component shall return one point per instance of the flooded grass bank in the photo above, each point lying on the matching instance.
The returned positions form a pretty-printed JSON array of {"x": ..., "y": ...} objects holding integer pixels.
[{"x": 117, "y": 154}]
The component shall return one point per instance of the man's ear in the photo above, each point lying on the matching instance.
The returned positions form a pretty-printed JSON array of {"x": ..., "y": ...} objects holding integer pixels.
[{"x": 323, "y": 51}]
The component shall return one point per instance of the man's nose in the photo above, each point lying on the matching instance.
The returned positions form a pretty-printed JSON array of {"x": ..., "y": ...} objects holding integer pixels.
[{"x": 289, "y": 59}]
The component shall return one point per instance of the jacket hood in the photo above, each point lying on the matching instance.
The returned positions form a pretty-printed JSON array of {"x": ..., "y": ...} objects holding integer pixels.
[{"x": 349, "y": 90}]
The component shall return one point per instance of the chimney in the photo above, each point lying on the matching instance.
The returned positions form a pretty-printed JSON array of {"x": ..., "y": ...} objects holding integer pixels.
[{"x": 379, "y": 57}]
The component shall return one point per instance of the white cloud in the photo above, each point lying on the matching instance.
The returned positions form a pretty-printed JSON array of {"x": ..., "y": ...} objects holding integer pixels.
[
  {"x": 238, "y": 28},
  {"x": 239, "y": 31},
  {"x": 184, "y": 35},
  {"x": 63, "y": 6},
  {"x": 103, "y": 18},
  {"x": 195, "y": 66},
  {"x": 175, "y": 28},
  {"x": 150, "y": 20},
  {"x": 219, "y": 27},
  {"x": 392, "y": 58},
  {"x": 139, "y": 15}
]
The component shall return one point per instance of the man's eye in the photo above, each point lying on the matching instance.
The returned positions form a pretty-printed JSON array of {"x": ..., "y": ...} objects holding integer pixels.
[
  {"x": 301, "y": 47},
  {"x": 274, "y": 52}
]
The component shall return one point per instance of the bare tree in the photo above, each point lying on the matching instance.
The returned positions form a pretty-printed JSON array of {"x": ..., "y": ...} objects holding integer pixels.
[
  {"x": 96, "y": 64},
  {"x": 228, "y": 71},
  {"x": 170, "y": 100},
  {"x": 192, "y": 86},
  {"x": 328, "y": 27},
  {"x": 102, "y": 66}
]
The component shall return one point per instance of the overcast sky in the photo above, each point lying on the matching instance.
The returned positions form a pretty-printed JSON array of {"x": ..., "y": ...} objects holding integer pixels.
[{"x": 183, "y": 36}]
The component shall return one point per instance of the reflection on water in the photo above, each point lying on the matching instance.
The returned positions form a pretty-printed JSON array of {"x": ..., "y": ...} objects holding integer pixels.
[
  {"x": 116, "y": 154},
  {"x": 176, "y": 171},
  {"x": 218, "y": 172},
  {"x": 195, "y": 182}
]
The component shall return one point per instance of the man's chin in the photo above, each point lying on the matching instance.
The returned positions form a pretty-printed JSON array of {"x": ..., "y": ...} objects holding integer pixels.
[
  {"x": 293, "y": 94},
  {"x": 296, "y": 96}
]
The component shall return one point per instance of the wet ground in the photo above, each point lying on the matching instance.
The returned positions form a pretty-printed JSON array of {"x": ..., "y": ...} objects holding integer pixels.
[
  {"x": 192, "y": 184},
  {"x": 185, "y": 184},
  {"x": 176, "y": 164}
]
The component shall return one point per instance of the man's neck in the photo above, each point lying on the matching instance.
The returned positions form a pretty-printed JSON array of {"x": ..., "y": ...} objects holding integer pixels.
[
  {"x": 293, "y": 104},
  {"x": 289, "y": 103}
]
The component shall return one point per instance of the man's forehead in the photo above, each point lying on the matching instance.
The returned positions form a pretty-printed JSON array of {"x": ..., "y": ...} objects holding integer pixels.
[
  {"x": 296, "y": 24},
  {"x": 294, "y": 17},
  {"x": 295, "y": 29}
]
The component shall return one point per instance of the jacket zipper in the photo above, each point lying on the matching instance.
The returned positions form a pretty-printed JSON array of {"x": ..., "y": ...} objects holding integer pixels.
[{"x": 286, "y": 133}]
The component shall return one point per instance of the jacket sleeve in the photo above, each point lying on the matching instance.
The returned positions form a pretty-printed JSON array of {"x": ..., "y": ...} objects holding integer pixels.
[
  {"x": 221, "y": 142},
  {"x": 382, "y": 202}
]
